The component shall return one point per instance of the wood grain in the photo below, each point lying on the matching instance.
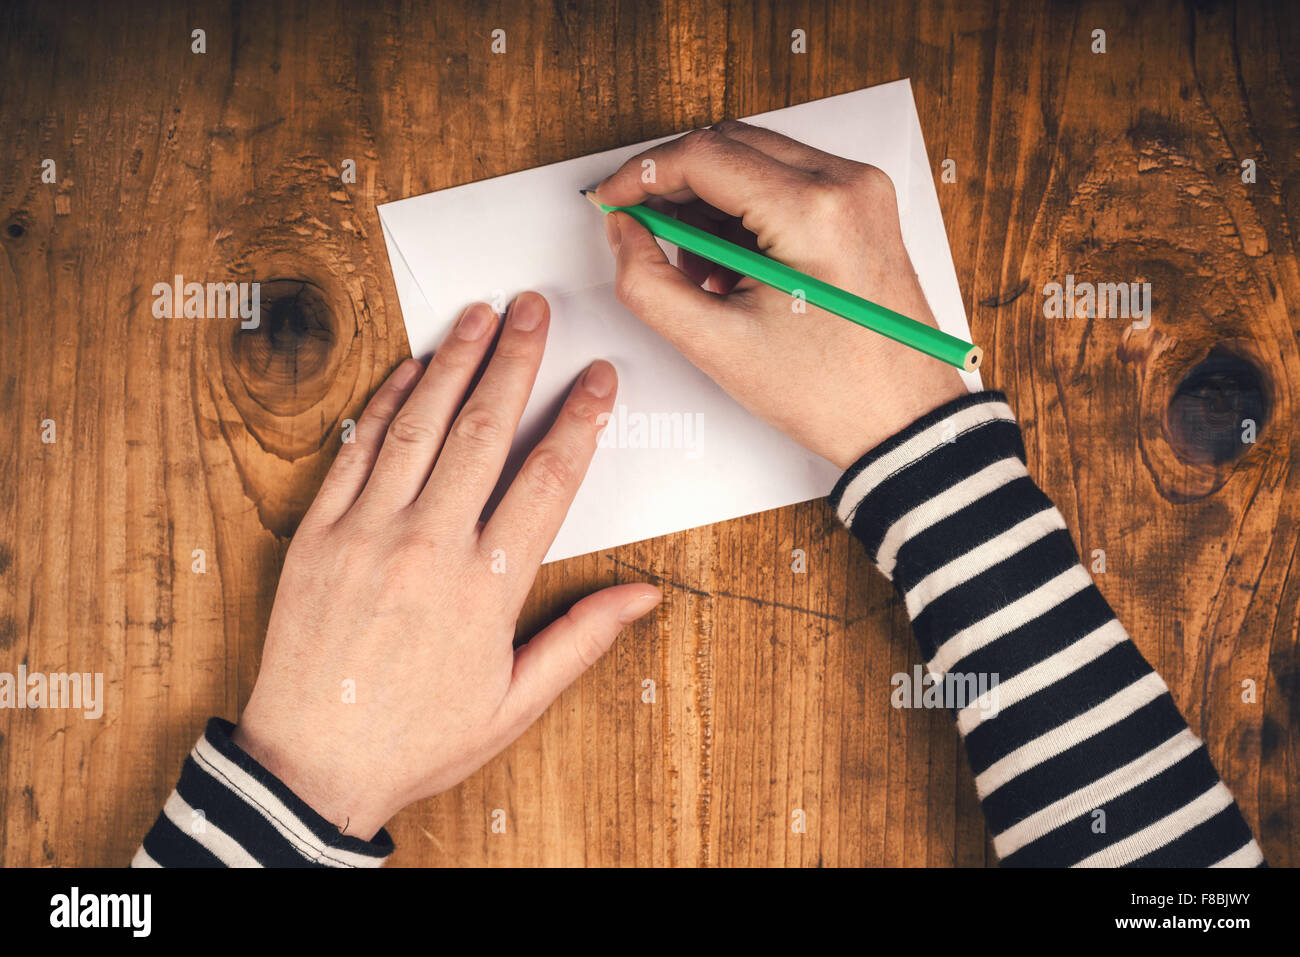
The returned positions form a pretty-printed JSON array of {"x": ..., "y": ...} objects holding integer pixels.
[{"x": 772, "y": 688}]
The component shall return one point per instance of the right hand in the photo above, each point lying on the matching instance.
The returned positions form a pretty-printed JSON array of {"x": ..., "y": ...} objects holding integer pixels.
[{"x": 834, "y": 387}]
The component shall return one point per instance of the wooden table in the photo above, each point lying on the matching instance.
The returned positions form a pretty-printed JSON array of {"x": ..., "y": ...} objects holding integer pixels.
[{"x": 772, "y": 687}]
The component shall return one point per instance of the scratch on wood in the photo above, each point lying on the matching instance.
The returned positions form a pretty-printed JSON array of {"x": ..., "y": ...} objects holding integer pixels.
[
  {"x": 997, "y": 300},
  {"x": 671, "y": 583}
]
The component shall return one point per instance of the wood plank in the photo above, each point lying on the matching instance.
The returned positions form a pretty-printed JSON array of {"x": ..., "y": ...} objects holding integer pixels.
[{"x": 771, "y": 686}]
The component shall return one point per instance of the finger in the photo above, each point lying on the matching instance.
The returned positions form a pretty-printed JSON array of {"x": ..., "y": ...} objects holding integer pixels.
[
  {"x": 566, "y": 648},
  {"x": 699, "y": 323},
  {"x": 722, "y": 280},
  {"x": 417, "y": 431},
  {"x": 779, "y": 146},
  {"x": 478, "y": 442},
  {"x": 347, "y": 476},
  {"x": 697, "y": 267},
  {"x": 724, "y": 172},
  {"x": 703, "y": 271},
  {"x": 526, "y": 521}
]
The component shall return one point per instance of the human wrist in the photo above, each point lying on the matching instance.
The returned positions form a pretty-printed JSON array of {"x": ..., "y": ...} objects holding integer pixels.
[
  {"x": 921, "y": 387},
  {"x": 317, "y": 780}
]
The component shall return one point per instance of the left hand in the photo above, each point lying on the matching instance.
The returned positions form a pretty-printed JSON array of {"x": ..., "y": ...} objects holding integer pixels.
[{"x": 394, "y": 589}]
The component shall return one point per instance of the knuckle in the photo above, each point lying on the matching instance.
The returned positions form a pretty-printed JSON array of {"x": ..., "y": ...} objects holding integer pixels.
[
  {"x": 586, "y": 651},
  {"x": 479, "y": 426},
  {"x": 700, "y": 141},
  {"x": 386, "y": 403},
  {"x": 450, "y": 359},
  {"x": 410, "y": 550},
  {"x": 354, "y": 459},
  {"x": 586, "y": 647},
  {"x": 825, "y": 202},
  {"x": 873, "y": 180},
  {"x": 514, "y": 351},
  {"x": 584, "y": 410},
  {"x": 730, "y": 127},
  {"x": 551, "y": 472},
  {"x": 627, "y": 284},
  {"x": 411, "y": 429}
]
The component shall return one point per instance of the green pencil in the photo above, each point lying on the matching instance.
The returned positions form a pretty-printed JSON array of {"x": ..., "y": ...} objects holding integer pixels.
[{"x": 894, "y": 325}]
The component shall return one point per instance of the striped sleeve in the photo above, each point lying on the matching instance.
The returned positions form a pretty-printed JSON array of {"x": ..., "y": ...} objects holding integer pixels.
[
  {"x": 1080, "y": 755},
  {"x": 229, "y": 811}
]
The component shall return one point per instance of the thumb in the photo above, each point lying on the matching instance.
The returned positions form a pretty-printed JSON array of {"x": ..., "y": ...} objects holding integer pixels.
[
  {"x": 658, "y": 293},
  {"x": 559, "y": 653}
]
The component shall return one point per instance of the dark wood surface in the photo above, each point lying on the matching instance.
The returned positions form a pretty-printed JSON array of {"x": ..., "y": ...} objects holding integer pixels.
[{"x": 772, "y": 687}]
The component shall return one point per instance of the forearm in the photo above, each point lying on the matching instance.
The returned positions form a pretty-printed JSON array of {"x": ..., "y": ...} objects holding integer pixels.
[
  {"x": 1070, "y": 719},
  {"x": 229, "y": 811}
]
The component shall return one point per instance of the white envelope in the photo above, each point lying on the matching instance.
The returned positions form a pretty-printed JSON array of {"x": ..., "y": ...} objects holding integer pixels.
[{"x": 677, "y": 452}]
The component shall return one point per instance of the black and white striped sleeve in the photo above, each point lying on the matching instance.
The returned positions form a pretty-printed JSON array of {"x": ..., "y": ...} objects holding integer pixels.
[
  {"x": 229, "y": 811},
  {"x": 1080, "y": 755}
]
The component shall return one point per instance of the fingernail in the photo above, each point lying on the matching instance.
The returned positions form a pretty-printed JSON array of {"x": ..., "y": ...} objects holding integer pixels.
[
  {"x": 405, "y": 374},
  {"x": 639, "y": 606},
  {"x": 599, "y": 379},
  {"x": 473, "y": 323},
  {"x": 527, "y": 313},
  {"x": 613, "y": 233}
]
